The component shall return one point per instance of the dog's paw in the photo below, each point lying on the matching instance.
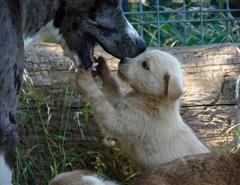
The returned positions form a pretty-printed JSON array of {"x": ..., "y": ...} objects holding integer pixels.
[{"x": 102, "y": 67}]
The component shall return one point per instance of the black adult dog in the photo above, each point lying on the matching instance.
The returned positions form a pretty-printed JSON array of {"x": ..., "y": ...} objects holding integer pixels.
[{"x": 77, "y": 24}]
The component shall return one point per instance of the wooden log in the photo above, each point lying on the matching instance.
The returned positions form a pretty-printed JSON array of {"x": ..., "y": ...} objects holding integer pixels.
[{"x": 208, "y": 104}]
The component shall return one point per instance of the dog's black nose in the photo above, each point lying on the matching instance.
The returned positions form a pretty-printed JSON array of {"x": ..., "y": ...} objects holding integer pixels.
[
  {"x": 123, "y": 61},
  {"x": 141, "y": 45}
]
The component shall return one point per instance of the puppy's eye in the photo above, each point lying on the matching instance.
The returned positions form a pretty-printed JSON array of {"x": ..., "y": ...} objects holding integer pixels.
[{"x": 145, "y": 65}]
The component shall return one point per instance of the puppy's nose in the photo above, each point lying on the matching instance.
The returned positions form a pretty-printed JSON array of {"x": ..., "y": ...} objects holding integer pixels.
[
  {"x": 141, "y": 45},
  {"x": 123, "y": 61}
]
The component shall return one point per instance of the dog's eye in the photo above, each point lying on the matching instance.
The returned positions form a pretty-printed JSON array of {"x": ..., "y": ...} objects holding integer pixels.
[{"x": 145, "y": 65}]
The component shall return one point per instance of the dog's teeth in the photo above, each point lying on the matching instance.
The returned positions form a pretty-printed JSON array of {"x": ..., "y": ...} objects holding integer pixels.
[{"x": 95, "y": 65}]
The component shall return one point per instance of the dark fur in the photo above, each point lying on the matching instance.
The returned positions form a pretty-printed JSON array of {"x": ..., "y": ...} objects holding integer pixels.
[
  {"x": 78, "y": 20},
  {"x": 11, "y": 67}
]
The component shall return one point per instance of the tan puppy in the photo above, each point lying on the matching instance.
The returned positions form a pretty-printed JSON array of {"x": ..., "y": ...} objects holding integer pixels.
[
  {"x": 203, "y": 169},
  {"x": 146, "y": 122},
  {"x": 80, "y": 177}
]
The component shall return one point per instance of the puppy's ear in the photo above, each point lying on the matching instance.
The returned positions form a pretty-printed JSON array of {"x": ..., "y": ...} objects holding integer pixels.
[{"x": 174, "y": 89}]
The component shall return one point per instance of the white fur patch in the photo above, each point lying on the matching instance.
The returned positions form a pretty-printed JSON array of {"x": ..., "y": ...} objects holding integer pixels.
[
  {"x": 5, "y": 172},
  {"x": 47, "y": 30},
  {"x": 237, "y": 88},
  {"x": 27, "y": 41},
  {"x": 92, "y": 180},
  {"x": 96, "y": 180}
]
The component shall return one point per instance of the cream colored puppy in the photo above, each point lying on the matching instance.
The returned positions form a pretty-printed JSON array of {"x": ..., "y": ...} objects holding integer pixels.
[{"x": 146, "y": 121}]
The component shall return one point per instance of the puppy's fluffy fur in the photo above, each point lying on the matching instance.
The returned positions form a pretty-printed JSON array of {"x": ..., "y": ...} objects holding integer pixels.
[
  {"x": 146, "y": 121},
  {"x": 80, "y": 177}
]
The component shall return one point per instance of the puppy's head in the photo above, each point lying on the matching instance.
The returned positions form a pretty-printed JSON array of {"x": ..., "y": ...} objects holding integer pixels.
[{"x": 153, "y": 72}]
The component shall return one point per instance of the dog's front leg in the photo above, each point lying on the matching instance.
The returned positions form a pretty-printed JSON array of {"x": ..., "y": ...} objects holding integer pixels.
[
  {"x": 11, "y": 69},
  {"x": 103, "y": 111},
  {"x": 111, "y": 87}
]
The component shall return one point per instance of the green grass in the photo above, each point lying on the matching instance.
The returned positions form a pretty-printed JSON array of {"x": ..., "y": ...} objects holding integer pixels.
[{"x": 235, "y": 132}]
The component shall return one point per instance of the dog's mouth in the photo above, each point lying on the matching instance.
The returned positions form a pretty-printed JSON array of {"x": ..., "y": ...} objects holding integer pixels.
[
  {"x": 84, "y": 57},
  {"x": 91, "y": 63}
]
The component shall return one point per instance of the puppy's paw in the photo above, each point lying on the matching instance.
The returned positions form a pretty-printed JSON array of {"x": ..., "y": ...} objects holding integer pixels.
[
  {"x": 84, "y": 81},
  {"x": 102, "y": 67}
]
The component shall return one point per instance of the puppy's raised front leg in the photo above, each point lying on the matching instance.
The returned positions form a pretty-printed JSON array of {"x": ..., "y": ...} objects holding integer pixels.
[
  {"x": 103, "y": 111},
  {"x": 111, "y": 87}
]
